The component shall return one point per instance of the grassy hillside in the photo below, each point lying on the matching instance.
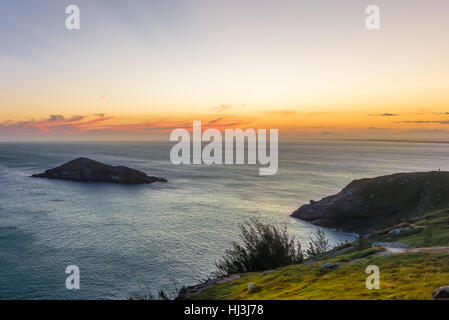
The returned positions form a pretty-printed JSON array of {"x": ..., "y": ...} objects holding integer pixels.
[
  {"x": 408, "y": 275},
  {"x": 431, "y": 230},
  {"x": 403, "y": 276}
]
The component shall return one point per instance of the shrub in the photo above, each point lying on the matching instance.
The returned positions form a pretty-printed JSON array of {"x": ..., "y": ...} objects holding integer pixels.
[
  {"x": 318, "y": 245},
  {"x": 361, "y": 242},
  {"x": 262, "y": 247},
  {"x": 428, "y": 236}
]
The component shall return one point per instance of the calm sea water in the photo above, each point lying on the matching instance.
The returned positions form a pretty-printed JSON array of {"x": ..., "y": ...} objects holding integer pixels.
[{"x": 128, "y": 239}]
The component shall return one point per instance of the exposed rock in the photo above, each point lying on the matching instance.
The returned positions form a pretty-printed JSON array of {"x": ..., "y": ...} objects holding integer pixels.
[
  {"x": 394, "y": 245},
  {"x": 373, "y": 203},
  {"x": 309, "y": 262},
  {"x": 395, "y": 231},
  {"x": 187, "y": 292},
  {"x": 266, "y": 272},
  {"x": 253, "y": 288},
  {"x": 83, "y": 169},
  {"x": 329, "y": 266},
  {"x": 441, "y": 293},
  {"x": 340, "y": 251}
]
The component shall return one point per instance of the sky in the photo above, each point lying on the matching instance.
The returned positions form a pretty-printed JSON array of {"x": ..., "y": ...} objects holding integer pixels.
[{"x": 136, "y": 70}]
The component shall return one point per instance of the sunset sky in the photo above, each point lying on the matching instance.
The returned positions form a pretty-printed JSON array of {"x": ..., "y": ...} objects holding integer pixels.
[{"x": 138, "y": 69}]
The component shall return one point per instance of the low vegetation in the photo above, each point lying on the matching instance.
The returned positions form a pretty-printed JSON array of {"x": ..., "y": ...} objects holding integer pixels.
[
  {"x": 266, "y": 247},
  {"x": 403, "y": 276},
  {"x": 408, "y": 275},
  {"x": 430, "y": 230},
  {"x": 262, "y": 247},
  {"x": 318, "y": 245}
]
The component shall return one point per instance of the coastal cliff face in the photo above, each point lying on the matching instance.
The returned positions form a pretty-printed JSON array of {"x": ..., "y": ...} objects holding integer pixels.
[
  {"x": 83, "y": 169},
  {"x": 368, "y": 204}
]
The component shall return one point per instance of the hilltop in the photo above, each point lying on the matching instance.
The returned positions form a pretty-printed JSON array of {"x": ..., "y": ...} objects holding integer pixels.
[{"x": 372, "y": 203}]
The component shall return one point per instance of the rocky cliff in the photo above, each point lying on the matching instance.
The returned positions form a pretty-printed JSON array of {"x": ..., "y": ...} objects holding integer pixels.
[{"x": 367, "y": 204}]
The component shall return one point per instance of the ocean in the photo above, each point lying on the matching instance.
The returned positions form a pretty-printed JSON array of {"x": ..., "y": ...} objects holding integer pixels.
[{"x": 136, "y": 239}]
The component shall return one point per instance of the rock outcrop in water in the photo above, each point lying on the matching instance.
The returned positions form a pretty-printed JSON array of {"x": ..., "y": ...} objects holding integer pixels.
[
  {"x": 83, "y": 169},
  {"x": 367, "y": 204}
]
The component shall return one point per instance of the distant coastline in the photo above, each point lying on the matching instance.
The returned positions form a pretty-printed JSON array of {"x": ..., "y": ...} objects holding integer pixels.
[
  {"x": 397, "y": 140},
  {"x": 370, "y": 140},
  {"x": 280, "y": 141}
]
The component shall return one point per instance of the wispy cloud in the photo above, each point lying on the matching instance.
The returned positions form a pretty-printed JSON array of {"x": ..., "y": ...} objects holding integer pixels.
[
  {"x": 425, "y": 121},
  {"x": 54, "y": 123},
  {"x": 283, "y": 113},
  {"x": 386, "y": 114},
  {"x": 59, "y": 125},
  {"x": 291, "y": 113},
  {"x": 225, "y": 107},
  {"x": 169, "y": 125}
]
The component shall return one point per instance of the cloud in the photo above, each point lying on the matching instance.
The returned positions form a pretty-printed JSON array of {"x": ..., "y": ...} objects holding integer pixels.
[
  {"x": 389, "y": 115},
  {"x": 60, "y": 118},
  {"x": 169, "y": 125},
  {"x": 55, "y": 117},
  {"x": 425, "y": 121},
  {"x": 283, "y": 113},
  {"x": 426, "y": 131},
  {"x": 386, "y": 114},
  {"x": 225, "y": 107},
  {"x": 101, "y": 125},
  {"x": 53, "y": 124},
  {"x": 377, "y": 129},
  {"x": 291, "y": 113},
  {"x": 215, "y": 121}
]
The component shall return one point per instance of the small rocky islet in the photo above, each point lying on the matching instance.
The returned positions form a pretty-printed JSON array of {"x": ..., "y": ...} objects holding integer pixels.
[{"x": 87, "y": 170}]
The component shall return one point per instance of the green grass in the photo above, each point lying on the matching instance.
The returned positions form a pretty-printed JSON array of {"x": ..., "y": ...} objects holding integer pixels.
[
  {"x": 355, "y": 254},
  {"x": 406, "y": 190},
  {"x": 435, "y": 222},
  {"x": 402, "y": 276}
]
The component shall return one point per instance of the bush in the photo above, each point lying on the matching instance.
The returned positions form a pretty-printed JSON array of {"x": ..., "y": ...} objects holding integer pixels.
[
  {"x": 318, "y": 245},
  {"x": 361, "y": 243},
  {"x": 262, "y": 247},
  {"x": 428, "y": 236}
]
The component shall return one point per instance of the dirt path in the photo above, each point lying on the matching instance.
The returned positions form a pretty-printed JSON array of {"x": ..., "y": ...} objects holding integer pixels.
[{"x": 415, "y": 250}]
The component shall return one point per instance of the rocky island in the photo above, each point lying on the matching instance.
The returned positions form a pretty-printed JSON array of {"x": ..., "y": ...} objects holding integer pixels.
[
  {"x": 372, "y": 203},
  {"x": 84, "y": 169}
]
